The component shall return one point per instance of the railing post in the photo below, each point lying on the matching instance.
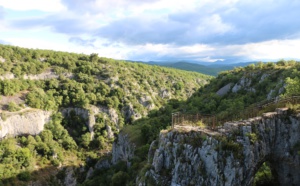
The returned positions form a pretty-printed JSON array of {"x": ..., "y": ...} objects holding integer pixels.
[
  {"x": 213, "y": 122},
  {"x": 173, "y": 120}
]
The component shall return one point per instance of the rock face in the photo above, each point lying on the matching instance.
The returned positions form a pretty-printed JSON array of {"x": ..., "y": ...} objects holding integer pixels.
[
  {"x": 123, "y": 149},
  {"x": 231, "y": 156},
  {"x": 129, "y": 113},
  {"x": 89, "y": 115},
  {"x": 30, "y": 122},
  {"x": 224, "y": 90},
  {"x": 244, "y": 83},
  {"x": 2, "y": 60},
  {"x": 42, "y": 76}
]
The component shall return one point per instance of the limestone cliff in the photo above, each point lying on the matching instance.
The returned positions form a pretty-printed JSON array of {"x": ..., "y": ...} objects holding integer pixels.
[
  {"x": 123, "y": 149},
  {"x": 29, "y": 122},
  {"x": 230, "y": 156}
]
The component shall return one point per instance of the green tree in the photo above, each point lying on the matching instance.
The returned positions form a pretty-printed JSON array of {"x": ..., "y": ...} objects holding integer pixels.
[
  {"x": 119, "y": 179},
  {"x": 292, "y": 86},
  {"x": 86, "y": 139}
]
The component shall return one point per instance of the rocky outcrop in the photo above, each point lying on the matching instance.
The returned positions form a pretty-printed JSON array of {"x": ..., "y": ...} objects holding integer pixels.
[
  {"x": 7, "y": 76},
  {"x": 90, "y": 116},
  {"x": 103, "y": 164},
  {"x": 230, "y": 156},
  {"x": 130, "y": 113},
  {"x": 42, "y": 76},
  {"x": 29, "y": 122},
  {"x": 123, "y": 149},
  {"x": 2, "y": 60},
  {"x": 164, "y": 93},
  {"x": 70, "y": 177},
  {"x": 146, "y": 101},
  {"x": 224, "y": 90},
  {"x": 47, "y": 75},
  {"x": 244, "y": 83}
]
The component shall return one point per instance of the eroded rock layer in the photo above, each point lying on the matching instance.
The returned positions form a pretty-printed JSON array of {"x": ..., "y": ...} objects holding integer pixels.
[{"x": 231, "y": 156}]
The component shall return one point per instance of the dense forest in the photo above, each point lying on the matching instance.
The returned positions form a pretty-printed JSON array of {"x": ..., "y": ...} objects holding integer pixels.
[{"x": 57, "y": 81}]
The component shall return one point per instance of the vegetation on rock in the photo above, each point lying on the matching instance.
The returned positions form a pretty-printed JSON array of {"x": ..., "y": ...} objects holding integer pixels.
[{"x": 48, "y": 80}]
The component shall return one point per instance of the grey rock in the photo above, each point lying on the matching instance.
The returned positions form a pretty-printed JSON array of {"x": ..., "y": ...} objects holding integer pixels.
[
  {"x": 29, "y": 122},
  {"x": 2, "y": 60},
  {"x": 271, "y": 137},
  {"x": 130, "y": 113},
  {"x": 89, "y": 173},
  {"x": 103, "y": 164},
  {"x": 7, "y": 76},
  {"x": 123, "y": 149},
  {"x": 263, "y": 77},
  {"x": 165, "y": 94},
  {"x": 244, "y": 83},
  {"x": 70, "y": 179},
  {"x": 224, "y": 90},
  {"x": 236, "y": 88},
  {"x": 110, "y": 134}
]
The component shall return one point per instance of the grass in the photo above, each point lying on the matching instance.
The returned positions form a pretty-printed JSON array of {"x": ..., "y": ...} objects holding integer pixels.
[{"x": 200, "y": 124}]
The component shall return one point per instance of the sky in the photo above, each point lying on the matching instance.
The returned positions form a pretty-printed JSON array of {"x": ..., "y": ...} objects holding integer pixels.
[{"x": 157, "y": 30}]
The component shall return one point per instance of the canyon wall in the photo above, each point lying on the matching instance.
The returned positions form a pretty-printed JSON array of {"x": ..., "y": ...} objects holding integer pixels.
[{"x": 230, "y": 156}]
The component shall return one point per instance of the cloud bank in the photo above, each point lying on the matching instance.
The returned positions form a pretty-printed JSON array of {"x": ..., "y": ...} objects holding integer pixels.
[{"x": 164, "y": 30}]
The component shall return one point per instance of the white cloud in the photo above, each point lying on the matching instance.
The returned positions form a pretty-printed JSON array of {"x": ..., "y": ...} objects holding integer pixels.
[
  {"x": 42, "y": 5},
  {"x": 274, "y": 49},
  {"x": 213, "y": 25},
  {"x": 205, "y": 30}
]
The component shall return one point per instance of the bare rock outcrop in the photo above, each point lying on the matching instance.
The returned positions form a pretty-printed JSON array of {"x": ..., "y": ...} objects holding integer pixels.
[
  {"x": 224, "y": 90},
  {"x": 230, "y": 157},
  {"x": 29, "y": 122},
  {"x": 130, "y": 113},
  {"x": 244, "y": 83},
  {"x": 123, "y": 149},
  {"x": 2, "y": 60},
  {"x": 42, "y": 76}
]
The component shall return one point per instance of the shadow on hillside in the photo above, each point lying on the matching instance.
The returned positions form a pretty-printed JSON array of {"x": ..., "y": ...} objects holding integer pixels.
[{"x": 49, "y": 175}]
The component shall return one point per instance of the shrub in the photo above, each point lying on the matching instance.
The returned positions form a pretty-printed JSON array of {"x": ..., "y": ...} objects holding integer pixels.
[
  {"x": 119, "y": 178},
  {"x": 24, "y": 176},
  {"x": 13, "y": 107}
]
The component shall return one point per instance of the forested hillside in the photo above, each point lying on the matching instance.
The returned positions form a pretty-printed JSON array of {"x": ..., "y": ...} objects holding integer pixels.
[
  {"x": 232, "y": 91},
  {"x": 226, "y": 95},
  {"x": 90, "y": 98},
  {"x": 209, "y": 68}
]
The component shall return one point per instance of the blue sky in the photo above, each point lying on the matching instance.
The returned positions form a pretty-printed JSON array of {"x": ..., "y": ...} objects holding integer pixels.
[{"x": 157, "y": 30}]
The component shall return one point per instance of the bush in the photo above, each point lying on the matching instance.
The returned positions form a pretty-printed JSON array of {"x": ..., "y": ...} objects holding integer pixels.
[
  {"x": 119, "y": 179},
  {"x": 24, "y": 176},
  {"x": 13, "y": 107}
]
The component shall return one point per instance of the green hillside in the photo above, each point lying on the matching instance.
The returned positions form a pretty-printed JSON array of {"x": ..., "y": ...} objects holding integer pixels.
[
  {"x": 213, "y": 71},
  {"x": 118, "y": 92},
  {"x": 226, "y": 95},
  {"x": 134, "y": 98}
]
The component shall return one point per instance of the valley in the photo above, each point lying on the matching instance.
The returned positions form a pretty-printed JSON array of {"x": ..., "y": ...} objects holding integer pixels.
[{"x": 75, "y": 119}]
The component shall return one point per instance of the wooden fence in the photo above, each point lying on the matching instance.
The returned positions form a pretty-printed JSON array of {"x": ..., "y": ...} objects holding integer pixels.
[{"x": 211, "y": 121}]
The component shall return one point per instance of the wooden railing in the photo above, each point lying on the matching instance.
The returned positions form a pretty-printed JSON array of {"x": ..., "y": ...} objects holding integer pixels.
[
  {"x": 198, "y": 119},
  {"x": 211, "y": 121}
]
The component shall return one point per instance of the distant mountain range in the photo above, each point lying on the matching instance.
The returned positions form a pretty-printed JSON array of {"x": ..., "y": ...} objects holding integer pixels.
[{"x": 202, "y": 67}]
